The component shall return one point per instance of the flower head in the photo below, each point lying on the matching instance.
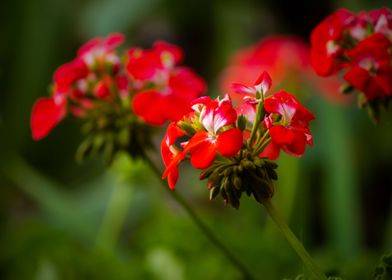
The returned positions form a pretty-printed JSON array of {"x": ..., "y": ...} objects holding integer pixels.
[
  {"x": 327, "y": 39},
  {"x": 361, "y": 46},
  {"x": 230, "y": 144},
  {"x": 118, "y": 94}
]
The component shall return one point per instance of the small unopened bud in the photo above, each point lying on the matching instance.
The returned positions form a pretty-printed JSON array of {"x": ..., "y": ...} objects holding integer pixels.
[
  {"x": 247, "y": 164},
  {"x": 241, "y": 122},
  {"x": 346, "y": 88},
  {"x": 237, "y": 182},
  {"x": 214, "y": 192}
]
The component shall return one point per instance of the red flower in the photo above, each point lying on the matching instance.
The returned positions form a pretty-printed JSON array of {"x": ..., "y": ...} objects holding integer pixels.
[
  {"x": 99, "y": 52},
  {"x": 288, "y": 124},
  {"x": 144, "y": 64},
  {"x": 72, "y": 81},
  {"x": 219, "y": 135},
  {"x": 371, "y": 71},
  {"x": 214, "y": 122},
  {"x": 381, "y": 19},
  {"x": 170, "y": 89},
  {"x": 67, "y": 74},
  {"x": 151, "y": 64},
  {"x": 261, "y": 86}
]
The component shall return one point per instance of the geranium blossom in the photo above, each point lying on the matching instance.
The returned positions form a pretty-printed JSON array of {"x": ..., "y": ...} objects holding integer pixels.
[
  {"x": 291, "y": 131},
  {"x": 172, "y": 88},
  {"x": 102, "y": 81},
  {"x": 326, "y": 41},
  {"x": 371, "y": 70},
  {"x": 213, "y": 131},
  {"x": 234, "y": 144},
  {"x": 71, "y": 81},
  {"x": 360, "y": 46}
]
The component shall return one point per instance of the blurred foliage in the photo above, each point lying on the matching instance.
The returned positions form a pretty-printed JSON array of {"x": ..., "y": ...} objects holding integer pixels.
[{"x": 62, "y": 220}]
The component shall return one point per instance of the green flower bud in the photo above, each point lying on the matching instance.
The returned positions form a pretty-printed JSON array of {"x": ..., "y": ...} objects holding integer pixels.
[
  {"x": 241, "y": 122},
  {"x": 214, "y": 192}
]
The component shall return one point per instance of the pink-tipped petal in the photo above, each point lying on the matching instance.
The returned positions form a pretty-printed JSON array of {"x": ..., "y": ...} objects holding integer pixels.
[
  {"x": 242, "y": 89},
  {"x": 264, "y": 82}
]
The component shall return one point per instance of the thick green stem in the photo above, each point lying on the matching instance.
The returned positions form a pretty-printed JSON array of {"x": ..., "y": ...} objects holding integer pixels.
[
  {"x": 199, "y": 223},
  {"x": 294, "y": 242}
]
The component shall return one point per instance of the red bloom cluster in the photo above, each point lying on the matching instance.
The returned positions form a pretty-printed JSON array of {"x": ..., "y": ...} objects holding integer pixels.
[
  {"x": 102, "y": 79},
  {"x": 361, "y": 44},
  {"x": 218, "y": 132}
]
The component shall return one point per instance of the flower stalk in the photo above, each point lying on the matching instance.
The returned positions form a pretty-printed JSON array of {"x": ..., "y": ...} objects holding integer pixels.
[{"x": 293, "y": 240}]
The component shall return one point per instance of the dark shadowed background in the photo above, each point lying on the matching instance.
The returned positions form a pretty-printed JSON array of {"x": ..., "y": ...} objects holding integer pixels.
[{"x": 60, "y": 219}]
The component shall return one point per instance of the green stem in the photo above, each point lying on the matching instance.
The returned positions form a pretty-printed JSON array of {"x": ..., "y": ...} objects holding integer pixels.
[
  {"x": 294, "y": 242},
  {"x": 256, "y": 123},
  {"x": 203, "y": 228},
  {"x": 261, "y": 146}
]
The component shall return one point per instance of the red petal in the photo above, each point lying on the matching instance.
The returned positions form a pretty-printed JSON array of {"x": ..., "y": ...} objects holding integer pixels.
[
  {"x": 242, "y": 89},
  {"x": 69, "y": 73},
  {"x": 384, "y": 79},
  {"x": 324, "y": 65},
  {"x": 272, "y": 151},
  {"x": 297, "y": 146},
  {"x": 264, "y": 82},
  {"x": 186, "y": 83},
  {"x": 361, "y": 80},
  {"x": 46, "y": 114},
  {"x": 149, "y": 105},
  {"x": 175, "y": 107},
  {"x": 113, "y": 40},
  {"x": 143, "y": 65},
  {"x": 172, "y": 170},
  {"x": 175, "y": 51},
  {"x": 172, "y": 178},
  {"x": 202, "y": 150},
  {"x": 87, "y": 47},
  {"x": 282, "y": 103},
  {"x": 229, "y": 143},
  {"x": 281, "y": 135},
  {"x": 102, "y": 89},
  {"x": 247, "y": 110},
  {"x": 173, "y": 132}
]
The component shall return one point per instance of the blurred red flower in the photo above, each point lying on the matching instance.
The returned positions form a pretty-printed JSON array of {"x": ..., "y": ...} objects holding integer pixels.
[{"x": 287, "y": 59}]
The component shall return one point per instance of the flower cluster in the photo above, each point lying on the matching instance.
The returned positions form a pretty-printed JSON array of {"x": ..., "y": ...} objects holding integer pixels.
[
  {"x": 360, "y": 44},
  {"x": 118, "y": 94},
  {"x": 235, "y": 146}
]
